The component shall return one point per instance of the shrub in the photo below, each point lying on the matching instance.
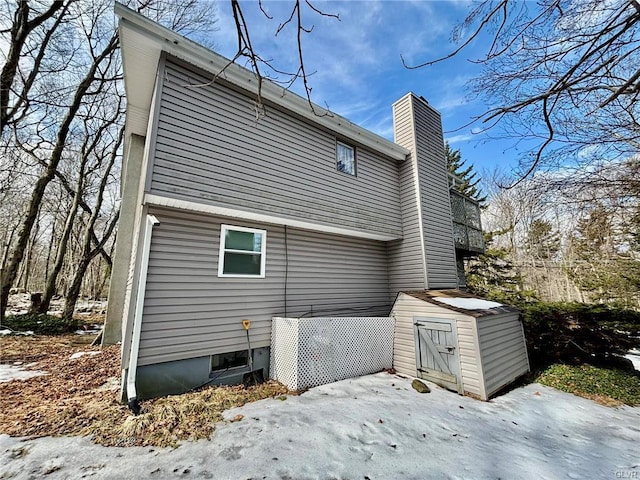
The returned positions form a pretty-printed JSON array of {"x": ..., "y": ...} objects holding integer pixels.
[
  {"x": 40, "y": 324},
  {"x": 578, "y": 333}
]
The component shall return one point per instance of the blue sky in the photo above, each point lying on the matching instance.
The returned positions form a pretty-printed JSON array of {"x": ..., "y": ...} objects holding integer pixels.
[{"x": 359, "y": 73}]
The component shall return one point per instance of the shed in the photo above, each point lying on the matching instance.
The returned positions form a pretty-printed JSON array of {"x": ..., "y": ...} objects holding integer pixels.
[{"x": 459, "y": 341}]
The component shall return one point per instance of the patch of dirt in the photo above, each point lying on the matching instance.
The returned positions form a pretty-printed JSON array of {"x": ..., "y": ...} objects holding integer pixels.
[
  {"x": 79, "y": 397},
  {"x": 62, "y": 402},
  {"x": 27, "y": 349},
  {"x": 601, "y": 399}
]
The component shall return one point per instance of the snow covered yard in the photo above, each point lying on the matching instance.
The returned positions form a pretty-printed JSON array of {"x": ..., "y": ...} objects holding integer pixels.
[{"x": 374, "y": 427}]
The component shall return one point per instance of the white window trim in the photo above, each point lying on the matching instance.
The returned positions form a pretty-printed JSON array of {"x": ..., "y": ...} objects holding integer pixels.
[
  {"x": 355, "y": 158},
  {"x": 263, "y": 251}
]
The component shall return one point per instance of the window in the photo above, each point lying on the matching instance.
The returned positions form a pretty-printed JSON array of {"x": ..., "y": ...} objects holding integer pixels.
[
  {"x": 242, "y": 252},
  {"x": 225, "y": 361},
  {"x": 345, "y": 158}
]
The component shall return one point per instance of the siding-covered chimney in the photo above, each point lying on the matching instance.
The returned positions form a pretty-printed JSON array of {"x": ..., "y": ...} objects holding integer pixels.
[{"x": 425, "y": 257}]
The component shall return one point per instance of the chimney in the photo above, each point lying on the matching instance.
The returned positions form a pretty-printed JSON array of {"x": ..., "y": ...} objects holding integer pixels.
[{"x": 426, "y": 254}]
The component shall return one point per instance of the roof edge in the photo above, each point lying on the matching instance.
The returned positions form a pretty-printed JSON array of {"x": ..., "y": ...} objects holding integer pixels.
[
  {"x": 181, "y": 47},
  {"x": 431, "y": 295}
]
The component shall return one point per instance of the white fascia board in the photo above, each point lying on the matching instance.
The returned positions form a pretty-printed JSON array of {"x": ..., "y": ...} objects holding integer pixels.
[
  {"x": 143, "y": 40},
  {"x": 161, "y": 201}
]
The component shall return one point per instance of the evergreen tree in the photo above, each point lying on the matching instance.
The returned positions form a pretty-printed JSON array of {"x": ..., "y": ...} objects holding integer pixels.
[
  {"x": 469, "y": 183},
  {"x": 494, "y": 276},
  {"x": 606, "y": 263},
  {"x": 543, "y": 242}
]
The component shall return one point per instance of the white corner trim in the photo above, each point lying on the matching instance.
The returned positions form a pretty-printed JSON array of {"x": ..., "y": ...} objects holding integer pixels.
[
  {"x": 478, "y": 354},
  {"x": 137, "y": 319},
  {"x": 161, "y": 201}
]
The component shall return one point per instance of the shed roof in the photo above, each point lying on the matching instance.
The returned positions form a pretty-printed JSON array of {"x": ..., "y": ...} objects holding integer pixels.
[{"x": 436, "y": 297}]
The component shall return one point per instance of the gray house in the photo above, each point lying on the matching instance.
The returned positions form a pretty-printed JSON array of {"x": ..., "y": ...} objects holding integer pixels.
[{"x": 227, "y": 216}]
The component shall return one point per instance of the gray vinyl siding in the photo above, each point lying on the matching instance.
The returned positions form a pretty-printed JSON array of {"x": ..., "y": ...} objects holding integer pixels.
[
  {"x": 436, "y": 203},
  {"x": 404, "y": 345},
  {"x": 403, "y": 125},
  {"x": 406, "y": 261},
  {"x": 210, "y": 148},
  {"x": 336, "y": 275},
  {"x": 503, "y": 350},
  {"x": 190, "y": 312}
]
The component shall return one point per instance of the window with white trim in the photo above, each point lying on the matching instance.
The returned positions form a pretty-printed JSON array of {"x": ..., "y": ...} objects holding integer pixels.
[
  {"x": 242, "y": 252},
  {"x": 345, "y": 158}
]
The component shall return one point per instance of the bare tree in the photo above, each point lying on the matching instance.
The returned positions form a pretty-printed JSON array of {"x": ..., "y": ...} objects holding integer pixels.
[
  {"x": 62, "y": 114},
  {"x": 92, "y": 83},
  {"x": 88, "y": 253},
  {"x": 561, "y": 73},
  {"x": 571, "y": 237},
  {"x": 63, "y": 240}
]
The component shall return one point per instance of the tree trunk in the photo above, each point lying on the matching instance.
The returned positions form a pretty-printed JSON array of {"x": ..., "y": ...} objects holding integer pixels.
[
  {"x": 29, "y": 257},
  {"x": 52, "y": 279},
  {"x": 73, "y": 292},
  {"x": 86, "y": 253},
  {"x": 52, "y": 238},
  {"x": 21, "y": 28}
]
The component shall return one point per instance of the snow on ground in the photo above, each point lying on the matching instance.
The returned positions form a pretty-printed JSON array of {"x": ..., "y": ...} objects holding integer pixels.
[
  {"x": 634, "y": 356},
  {"x": 374, "y": 427},
  {"x": 17, "y": 372},
  {"x": 76, "y": 355},
  {"x": 11, "y": 332},
  {"x": 19, "y": 303}
]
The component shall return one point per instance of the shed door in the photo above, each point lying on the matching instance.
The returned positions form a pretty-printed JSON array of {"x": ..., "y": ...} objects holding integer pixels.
[{"x": 437, "y": 352}]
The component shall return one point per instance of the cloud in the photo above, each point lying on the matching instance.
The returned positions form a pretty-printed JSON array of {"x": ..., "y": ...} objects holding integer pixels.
[
  {"x": 383, "y": 126},
  {"x": 351, "y": 109},
  {"x": 463, "y": 137},
  {"x": 356, "y": 60}
]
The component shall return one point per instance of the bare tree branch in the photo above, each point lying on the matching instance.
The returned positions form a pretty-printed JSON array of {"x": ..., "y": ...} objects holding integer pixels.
[
  {"x": 559, "y": 73},
  {"x": 20, "y": 30},
  {"x": 247, "y": 50}
]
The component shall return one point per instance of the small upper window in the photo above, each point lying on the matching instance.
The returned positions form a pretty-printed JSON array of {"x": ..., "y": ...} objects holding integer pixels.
[
  {"x": 242, "y": 252},
  {"x": 345, "y": 158}
]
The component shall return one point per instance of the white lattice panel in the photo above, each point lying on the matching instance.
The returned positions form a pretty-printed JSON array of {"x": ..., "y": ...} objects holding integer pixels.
[{"x": 307, "y": 352}]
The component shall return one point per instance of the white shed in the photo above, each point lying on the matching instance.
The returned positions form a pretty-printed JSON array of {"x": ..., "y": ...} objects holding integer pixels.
[{"x": 462, "y": 342}]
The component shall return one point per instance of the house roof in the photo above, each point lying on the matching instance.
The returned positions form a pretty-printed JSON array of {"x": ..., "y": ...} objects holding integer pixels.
[
  {"x": 143, "y": 41},
  {"x": 462, "y": 302}
]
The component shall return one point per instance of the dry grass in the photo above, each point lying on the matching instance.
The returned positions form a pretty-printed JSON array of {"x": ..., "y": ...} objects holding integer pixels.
[
  {"x": 78, "y": 397},
  {"x": 166, "y": 421}
]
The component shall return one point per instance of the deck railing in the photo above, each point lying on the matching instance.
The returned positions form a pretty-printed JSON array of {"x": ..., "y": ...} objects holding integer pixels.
[{"x": 467, "y": 226}]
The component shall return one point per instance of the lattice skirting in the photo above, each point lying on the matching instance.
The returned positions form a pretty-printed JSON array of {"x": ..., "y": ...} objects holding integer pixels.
[{"x": 307, "y": 352}]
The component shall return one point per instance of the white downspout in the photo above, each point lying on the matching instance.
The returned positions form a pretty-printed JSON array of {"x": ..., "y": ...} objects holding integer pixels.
[{"x": 132, "y": 400}]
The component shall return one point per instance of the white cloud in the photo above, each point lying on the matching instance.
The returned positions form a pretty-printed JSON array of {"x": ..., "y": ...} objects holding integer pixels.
[
  {"x": 464, "y": 137},
  {"x": 359, "y": 73}
]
